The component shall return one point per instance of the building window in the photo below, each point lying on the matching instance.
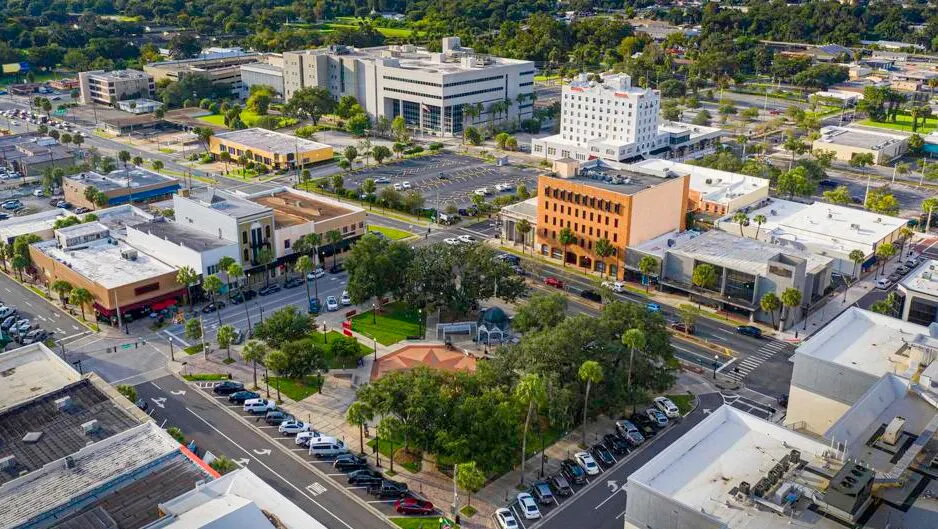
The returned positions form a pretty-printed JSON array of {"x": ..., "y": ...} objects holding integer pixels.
[
  {"x": 244, "y": 237},
  {"x": 361, "y": 225},
  {"x": 212, "y": 269},
  {"x": 267, "y": 231},
  {"x": 246, "y": 256},
  {"x": 286, "y": 244},
  {"x": 146, "y": 288}
]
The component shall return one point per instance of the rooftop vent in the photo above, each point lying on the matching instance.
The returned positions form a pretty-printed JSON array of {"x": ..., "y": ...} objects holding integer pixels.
[
  {"x": 63, "y": 403},
  {"x": 69, "y": 462},
  {"x": 32, "y": 437},
  {"x": 855, "y": 226},
  {"x": 8, "y": 462},
  {"x": 130, "y": 254},
  {"x": 91, "y": 426}
]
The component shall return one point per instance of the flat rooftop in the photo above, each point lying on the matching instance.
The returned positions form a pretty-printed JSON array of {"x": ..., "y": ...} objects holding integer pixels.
[
  {"x": 119, "y": 218},
  {"x": 923, "y": 279},
  {"x": 269, "y": 141},
  {"x": 661, "y": 244},
  {"x": 123, "y": 179},
  {"x": 101, "y": 262},
  {"x": 624, "y": 181},
  {"x": 263, "y": 66},
  {"x": 741, "y": 253},
  {"x": 42, "y": 221},
  {"x": 30, "y": 371},
  {"x": 409, "y": 57},
  {"x": 862, "y": 340},
  {"x": 118, "y": 75},
  {"x": 182, "y": 235},
  {"x": 863, "y": 139},
  {"x": 37, "y": 432},
  {"x": 526, "y": 208},
  {"x": 713, "y": 185},
  {"x": 730, "y": 446},
  {"x": 291, "y": 209},
  {"x": 224, "y": 202}
]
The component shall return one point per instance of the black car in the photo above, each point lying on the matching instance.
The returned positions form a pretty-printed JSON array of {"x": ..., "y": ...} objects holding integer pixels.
[
  {"x": 542, "y": 493},
  {"x": 646, "y": 425},
  {"x": 615, "y": 443},
  {"x": 336, "y": 269},
  {"x": 227, "y": 387},
  {"x": 275, "y": 417},
  {"x": 241, "y": 296},
  {"x": 271, "y": 289},
  {"x": 238, "y": 397},
  {"x": 827, "y": 184},
  {"x": 388, "y": 489},
  {"x": 749, "y": 330},
  {"x": 4, "y": 216},
  {"x": 591, "y": 295},
  {"x": 603, "y": 455},
  {"x": 365, "y": 476},
  {"x": 293, "y": 282},
  {"x": 560, "y": 485},
  {"x": 573, "y": 472},
  {"x": 213, "y": 307},
  {"x": 347, "y": 462}
]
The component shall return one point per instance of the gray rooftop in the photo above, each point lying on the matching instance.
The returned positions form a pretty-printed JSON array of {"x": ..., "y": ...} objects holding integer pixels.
[
  {"x": 263, "y": 66},
  {"x": 856, "y": 138},
  {"x": 118, "y": 75},
  {"x": 623, "y": 181},
  {"x": 60, "y": 431},
  {"x": 136, "y": 177},
  {"x": 226, "y": 203},
  {"x": 270, "y": 141},
  {"x": 740, "y": 253},
  {"x": 182, "y": 235}
]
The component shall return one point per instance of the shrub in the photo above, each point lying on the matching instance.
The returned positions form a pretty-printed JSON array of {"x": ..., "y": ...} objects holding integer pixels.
[{"x": 435, "y": 146}]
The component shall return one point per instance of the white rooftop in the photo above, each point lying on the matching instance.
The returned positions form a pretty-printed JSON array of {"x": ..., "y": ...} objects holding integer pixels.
[
  {"x": 862, "y": 340},
  {"x": 743, "y": 254},
  {"x": 662, "y": 243},
  {"x": 923, "y": 279},
  {"x": 102, "y": 263},
  {"x": 526, "y": 208},
  {"x": 31, "y": 371},
  {"x": 713, "y": 185},
  {"x": 237, "y": 499},
  {"x": 730, "y": 446},
  {"x": 35, "y": 223}
]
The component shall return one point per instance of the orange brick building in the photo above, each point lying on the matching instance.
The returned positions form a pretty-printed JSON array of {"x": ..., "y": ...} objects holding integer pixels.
[{"x": 623, "y": 207}]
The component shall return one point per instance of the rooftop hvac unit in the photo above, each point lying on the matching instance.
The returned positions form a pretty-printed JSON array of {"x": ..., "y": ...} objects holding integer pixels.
[
  {"x": 63, "y": 403},
  {"x": 773, "y": 212},
  {"x": 894, "y": 431},
  {"x": 855, "y": 226},
  {"x": 7, "y": 462},
  {"x": 91, "y": 426},
  {"x": 129, "y": 254},
  {"x": 795, "y": 458},
  {"x": 32, "y": 437},
  {"x": 744, "y": 488},
  {"x": 69, "y": 462}
]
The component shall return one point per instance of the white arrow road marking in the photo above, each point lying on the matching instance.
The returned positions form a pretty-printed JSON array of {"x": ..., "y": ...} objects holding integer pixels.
[
  {"x": 159, "y": 401},
  {"x": 243, "y": 462},
  {"x": 263, "y": 452},
  {"x": 613, "y": 485},
  {"x": 707, "y": 411},
  {"x": 178, "y": 392}
]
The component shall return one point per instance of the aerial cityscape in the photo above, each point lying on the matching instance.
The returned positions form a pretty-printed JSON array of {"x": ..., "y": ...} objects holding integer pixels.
[{"x": 484, "y": 265}]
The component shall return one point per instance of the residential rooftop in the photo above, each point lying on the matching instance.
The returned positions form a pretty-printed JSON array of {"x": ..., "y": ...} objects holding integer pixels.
[
  {"x": 294, "y": 207},
  {"x": 863, "y": 139},
  {"x": 224, "y": 202},
  {"x": 182, "y": 235},
  {"x": 35, "y": 223},
  {"x": 30, "y": 371},
  {"x": 713, "y": 185},
  {"x": 136, "y": 177},
  {"x": 52, "y": 426},
  {"x": 923, "y": 279},
  {"x": 741, "y": 253},
  {"x": 264, "y": 140},
  {"x": 102, "y": 262}
]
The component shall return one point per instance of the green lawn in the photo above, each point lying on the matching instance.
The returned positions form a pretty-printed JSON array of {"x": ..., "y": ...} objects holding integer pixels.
[
  {"x": 347, "y": 363},
  {"x": 684, "y": 402},
  {"x": 193, "y": 349},
  {"x": 214, "y": 119},
  {"x": 391, "y": 233},
  {"x": 904, "y": 123},
  {"x": 395, "y": 323},
  {"x": 205, "y": 376},
  {"x": 352, "y": 23},
  {"x": 416, "y": 522},
  {"x": 385, "y": 448},
  {"x": 296, "y": 389}
]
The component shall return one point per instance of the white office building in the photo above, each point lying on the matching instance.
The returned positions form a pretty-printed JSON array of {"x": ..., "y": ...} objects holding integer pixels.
[
  {"x": 429, "y": 89},
  {"x": 614, "y": 121}
]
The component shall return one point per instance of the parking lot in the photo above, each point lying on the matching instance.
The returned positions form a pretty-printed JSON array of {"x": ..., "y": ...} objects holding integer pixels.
[{"x": 446, "y": 179}]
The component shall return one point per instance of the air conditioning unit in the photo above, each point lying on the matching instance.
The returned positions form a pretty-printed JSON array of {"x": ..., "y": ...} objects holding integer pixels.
[
  {"x": 63, "y": 403},
  {"x": 894, "y": 431},
  {"x": 7, "y": 462},
  {"x": 91, "y": 426},
  {"x": 129, "y": 254}
]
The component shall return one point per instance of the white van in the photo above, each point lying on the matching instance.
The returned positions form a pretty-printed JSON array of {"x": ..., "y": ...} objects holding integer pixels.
[
  {"x": 326, "y": 447},
  {"x": 259, "y": 405}
]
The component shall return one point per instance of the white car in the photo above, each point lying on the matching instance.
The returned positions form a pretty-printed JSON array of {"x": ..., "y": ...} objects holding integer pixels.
[
  {"x": 615, "y": 286},
  {"x": 346, "y": 300},
  {"x": 398, "y": 187},
  {"x": 667, "y": 407},
  {"x": 586, "y": 461},
  {"x": 302, "y": 438},
  {"x": 452, "y": 241},
  {"x": 259, "y": 405},
  {"x": 528, "y": 506},
  {"x": 406, "y": 185},
  {"x": 315, "y": 274},
  {"x": 482, "y": 191},
  {"x": 292, "y": 427},
  {"x": 505, "y": 519},
  {"x": 332, "y": 304},
  {"x": 466, "y": 239},
  {"x": 38, "y": 193},
  {"x": 883, "y": 283}
]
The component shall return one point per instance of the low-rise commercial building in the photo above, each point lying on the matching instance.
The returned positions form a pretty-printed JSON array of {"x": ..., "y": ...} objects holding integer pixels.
[
  {"x": 122, "y": 186},
  {"x": 31, "y": 153},
  {"x": 847, "y": 142},
  {"x": 180, "y": 245},
  {"x": 31, "y": 371},
  {"x": 107, "y": 88},
  {"x": 712, "y": 192},
  {"x": 41, "y": 224},
  {"x": 920, "y": 293},
  {"x": 820, "y": 228},
  {"x": 272, "y": 149},
  {"x": 221, "y": 69},
  {"x": 139, "y": 106},
  {"x": 512, "y": 215}
]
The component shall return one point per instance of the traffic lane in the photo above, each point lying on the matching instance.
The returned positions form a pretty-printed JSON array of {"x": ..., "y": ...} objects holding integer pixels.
[
  {"x": 772, "y": 377},
  {"x": 174, "y": 403},
  {"x": 602, "y": 504},
  {"x": 126, "y": 360},
  {"x": 40, "y": 311}
]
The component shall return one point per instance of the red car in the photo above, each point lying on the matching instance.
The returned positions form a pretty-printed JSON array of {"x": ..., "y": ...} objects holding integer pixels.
[
  {"x": 553, "y": 282},
  {"x": 413, "y": 506}
]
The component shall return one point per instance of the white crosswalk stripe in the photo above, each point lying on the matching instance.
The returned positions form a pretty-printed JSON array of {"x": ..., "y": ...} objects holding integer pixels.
[{"x": 752, "y": 362}]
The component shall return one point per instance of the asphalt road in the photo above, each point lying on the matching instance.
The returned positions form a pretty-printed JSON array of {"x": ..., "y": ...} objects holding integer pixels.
[
  {"x": 41, "y": 312},
  {"x": 175, "y": 403}
]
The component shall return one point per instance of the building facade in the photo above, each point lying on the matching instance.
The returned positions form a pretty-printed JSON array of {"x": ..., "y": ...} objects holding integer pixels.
[
  {"x": 920, "y": 292},
  {"x": 122, "y": 186},
  {"x": 107, "y": 88},
  {"x": 712, "y": 192},
  {"x": 260, "y": 73},
  {"x": 430, "y": 90},
  {"x": 273, "y": 149},
  {"x": 847, "y": 143},
  {"x": 222, "y": 69}
]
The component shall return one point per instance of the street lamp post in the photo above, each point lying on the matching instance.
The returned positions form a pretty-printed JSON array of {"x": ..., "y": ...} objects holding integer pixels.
[
  {"x": 716, "y": 363},
  {"x": 262, "y": 311},
  {"x": 172, "y": 355}
]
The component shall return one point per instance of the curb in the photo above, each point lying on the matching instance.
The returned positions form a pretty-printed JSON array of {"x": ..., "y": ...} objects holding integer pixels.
[
  {"x": 50, "y": 302},
  {"x": 305, "y": 463}
]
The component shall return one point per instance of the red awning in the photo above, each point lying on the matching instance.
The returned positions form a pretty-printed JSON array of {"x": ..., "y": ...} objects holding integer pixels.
[{"x": 160, "y": 305}]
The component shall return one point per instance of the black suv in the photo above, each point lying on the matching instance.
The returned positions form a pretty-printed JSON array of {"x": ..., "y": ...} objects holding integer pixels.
[
  {"x": 227, "y": 387},
  {"x": 615, "y": 443},
  {"x": 591, "y": 295},
  {"x": 603, "y": 455},
  {"x": 365, "y": 476},
  {"x": 388, "y": 489},
  {"x": 560, "y": 485},
  {"x": 573, "y": 472},
  {"x": 644, "y": 424},
  {"x": 347, "y": 462},
  {"x": 272, "y": 289},
  {"x": 275, "y": 417},
  {"x": 238, "y": 397}
]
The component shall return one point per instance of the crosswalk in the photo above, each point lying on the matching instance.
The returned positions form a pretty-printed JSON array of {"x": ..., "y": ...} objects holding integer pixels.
[{"x": 739, "y": 369}]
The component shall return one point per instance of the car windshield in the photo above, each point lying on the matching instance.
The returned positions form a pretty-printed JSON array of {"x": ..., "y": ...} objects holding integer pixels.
[
  {"x": 543, "y": 488},
  {"x": 531, "y": 507},
  {"x": 576, "y": 470}
]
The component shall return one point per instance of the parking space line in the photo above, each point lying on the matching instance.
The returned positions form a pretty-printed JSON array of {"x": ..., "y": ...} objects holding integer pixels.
[{"x": 381, "y": 501}]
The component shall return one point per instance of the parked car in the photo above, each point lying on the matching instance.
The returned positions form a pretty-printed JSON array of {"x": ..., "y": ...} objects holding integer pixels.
[
  {"x": 238, "y": 397},
  {"x": 6, "y": 312},
  {"x": 542, "y": 492},
  {"x": 586, "y": 461},
  {"x": 269, "y": 289},
  {"x": 912, "y": 261},
  {"x": 749, "y": 330},
  {"x": 653, "y": 307},
  {"x": 38, "y": 193},
  {"x": 827, "y": 184},
  {"x": 452, "y": 241},
  {"x": 528, "y": 506},
  {"x": 573, "y": 472},
  {"x": 257, "y": 406},
  {"x": 315, "y": 274},
  {"x": 644, "y": 424},
  {"x": 388, "y": 489},
  {"x": 783, "y": 400},
  {"x": 560, "y": 485},
  {"x": 903, "y": 270},
  {"x": 277, "y": 417},
  {"x": 303, "y": 438},
  {"x": 894, "y": 277},
  {"x": 615, "y": 286},
  {"x": 680, "y": 326},
  {"x": 667, "y": 407},
  {"x": 238, "y": 336},
  {"x": 382, "y": 180},
  {"x": 326, "y": 447},
  {"x": 466, "y": 239},
  {"x": 346, "y": 300},
  {"x": 8, "y": 322},
  {"x": 292, "y": 427},
  {"x": 617, "y": 444},
  {"x": 37, "y": 335},
  {"x": 553, "y": 282},
  {"x": 365, "y": 476},
  {"x": 603, "y": 455},
  {"x": 348, "y": 462},
  {"x": 505, "y": 519},
  {"x": 213, "y": 307},
  {"x": 630, "y": 432},
  {"x": 406, "y": 185},
  {"x": 413, "y": 506},
  {"x": 658, "y": 418},
  {"x": 293, "y": 282},
  {"x": 332, "y": 304},
  {"x": 883, "y": 283},
  {"x": 591, "y": 295},
  {"x": 227, "y": 387},
  {"x": 315, "y": 307},
  {"x": 241, "y": 296}
]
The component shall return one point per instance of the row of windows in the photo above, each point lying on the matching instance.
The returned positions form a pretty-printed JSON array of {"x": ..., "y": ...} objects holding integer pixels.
[
  {"x": 475, "y": 92},
  {"x": 526, "y": 84},
  {"x": 418, "y": 94},
  {"x": 411, "y": 81},
  {"x": 584, "y": 200},
  {"x": 599, "y": 218},
  {"x": 585, "y": 229},
  {"x": 471, "y": 81},
  {"x": 529, "y": 72},
  {"x": 582, "y": 242}
]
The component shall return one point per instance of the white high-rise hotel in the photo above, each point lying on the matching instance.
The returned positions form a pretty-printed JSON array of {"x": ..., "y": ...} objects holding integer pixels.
[{"x": 615, "y": 121}]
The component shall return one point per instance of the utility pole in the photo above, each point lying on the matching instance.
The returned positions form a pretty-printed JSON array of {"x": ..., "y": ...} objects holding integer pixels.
[
  {"x": 202, "y": 333},
  {"x": 120, "y": 319}
]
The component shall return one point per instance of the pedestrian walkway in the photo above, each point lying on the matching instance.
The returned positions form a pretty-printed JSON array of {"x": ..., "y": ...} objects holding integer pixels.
[{"x": 738, "y": 369}]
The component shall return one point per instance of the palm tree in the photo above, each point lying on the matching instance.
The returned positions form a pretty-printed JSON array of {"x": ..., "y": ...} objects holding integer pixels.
[
  {"x": 857, "y": 256},
  {"x": 61, "y": 288},
  {"x": 566, "y": 238},
  {"x": 334, "y": 237},
  {"x": 885, "y": 252},
  {"x": 212, "y": 285},
  {"x": 157, "y": 165},
  {"x": 187, "y": 277},
  {"x": 529, "y": 392},
  {"x": 759, "y": 220},
  {"x": 742, "y": 219},
  {"x": 523, "y": 227},
  {"x": 137, "y": 160},
  {"x": 225, "y": 336},
  {"x": 633, "y": 339},
  {"x": 304, "y": 265},
  {"x": 223, "y": 264},
  {"x": 592, "y": 373},
  {"x": 223, "y": 465},
  {"x": 603, "y": 249},
  {"x": 264, "y": 257},
  {"x": 80, "y": 297},
  {"x": 358, "y": 414},
  {"x": 770, "y": 303},
  {"x": 124, "y": 158},
  {"x": 791, "y": 298},
  {"x": 647, "y": 265},
  {"x": 254, "y": 351},
  {"x": 905, "y": 233},
  {"x": 225, "y": 157},
  {"x": 468, "y": 111}
]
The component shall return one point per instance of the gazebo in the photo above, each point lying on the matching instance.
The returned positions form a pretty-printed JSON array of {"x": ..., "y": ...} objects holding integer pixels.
[{"x": 493, "y": 326}]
